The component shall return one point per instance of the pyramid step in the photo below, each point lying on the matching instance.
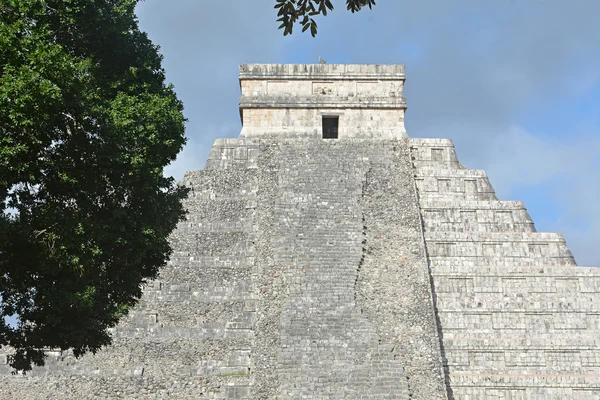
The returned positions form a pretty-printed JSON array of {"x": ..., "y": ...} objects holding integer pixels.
[
  {"x": 526, "y": 385},
  {"x": 436, "y": 172},
  {"x": 589, "y": 345},
  {"x": 477, "y": 205},
  {"x": 476, "y": 216},
  {"x": 468, "y": 188},
  {"x": 457, "y": 196},
  {"x": 491, "y": 247},
  {"x": 491, "y": 271},
  {"x": 434, "y": 152}
]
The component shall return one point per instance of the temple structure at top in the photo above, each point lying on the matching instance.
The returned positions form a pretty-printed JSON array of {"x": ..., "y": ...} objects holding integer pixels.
[{"x": 323, "y": 100}]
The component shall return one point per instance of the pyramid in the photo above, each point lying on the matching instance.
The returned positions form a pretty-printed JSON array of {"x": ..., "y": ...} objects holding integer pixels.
[{"x": 327, "y": 255}]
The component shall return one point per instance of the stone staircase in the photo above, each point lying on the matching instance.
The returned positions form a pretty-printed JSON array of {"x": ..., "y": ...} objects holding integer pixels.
[{"x": 328, "y": 349}]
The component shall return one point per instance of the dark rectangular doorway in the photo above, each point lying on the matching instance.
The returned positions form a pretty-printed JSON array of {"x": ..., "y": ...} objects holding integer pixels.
[{"x": 330, "y": 127}]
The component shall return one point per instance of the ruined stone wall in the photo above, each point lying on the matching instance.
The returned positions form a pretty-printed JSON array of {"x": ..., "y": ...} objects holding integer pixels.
[{"x": 518, "y": 318}]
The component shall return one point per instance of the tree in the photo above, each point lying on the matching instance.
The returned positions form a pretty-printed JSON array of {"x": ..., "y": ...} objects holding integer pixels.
[
  {"x": 292, "y": 11},
  {"x": 87, "y": 125}
]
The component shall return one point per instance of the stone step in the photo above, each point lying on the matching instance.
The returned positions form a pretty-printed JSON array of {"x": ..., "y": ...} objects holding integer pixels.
[
  {"x": 478, "y": 227},
  {"x": 192, "y": 257},
  {"x": 231, "y": 291},
  {"x": 430, "y": 142},
  {"x": 588, "y": 346},
  {"x": 522, "y": 363},
  {"x": 505, "y": 261},
  {"x": 491, "y": 271},
  {"x": 478, "y": 216},
  {"x": 193, "y": 226},
  {"x": 525, "y": 386},
  {"x": 498, "y": 323},
  {"x": 465, "y": 187},
  {"x": 495, "y": 237},
  {"x": 233, "y": 153},
  {"x": 221, "y": 209},
  {"x": 458, "y": 196},
  {"x": 500, "y": 337},
  {"x": 206, "y": 197},
  {"x": 199, "y": 333},
  {"x": 496, "y": 246},
  {"x": 479, "y": 391},
  {"x": 539, "y": 302},
  {"x": 442, "y": 173},
  {"x": 476, "y": 205},
  {"x": 512, "y": 285},
  {"x": 221, "y": 183},
  {"x": 434, "y": 152}
]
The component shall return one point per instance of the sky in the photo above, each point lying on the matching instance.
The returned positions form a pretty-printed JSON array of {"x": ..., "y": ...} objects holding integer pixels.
[{"x": 514, "y": 83}]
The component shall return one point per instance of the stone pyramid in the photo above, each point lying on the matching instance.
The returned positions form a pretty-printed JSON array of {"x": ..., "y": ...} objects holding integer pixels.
[{"x": 328, "y": 256}]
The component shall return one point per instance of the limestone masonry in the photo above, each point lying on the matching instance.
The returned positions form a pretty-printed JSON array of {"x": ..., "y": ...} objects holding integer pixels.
[{"x": 328, "y": 256}]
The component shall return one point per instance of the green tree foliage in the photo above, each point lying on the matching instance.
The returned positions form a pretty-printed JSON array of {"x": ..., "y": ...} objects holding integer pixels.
[
  {"x": 86, "y": 126},
  {"x": 292, "y": 11}
]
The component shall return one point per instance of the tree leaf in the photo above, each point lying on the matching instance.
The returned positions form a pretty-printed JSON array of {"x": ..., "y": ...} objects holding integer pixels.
[
  {"x": 313, "y": 28},
  {"x": 87, "y": 126}
]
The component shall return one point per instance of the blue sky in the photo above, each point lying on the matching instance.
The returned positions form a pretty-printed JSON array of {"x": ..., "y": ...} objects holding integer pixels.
[{"x": 514, "y": 83}]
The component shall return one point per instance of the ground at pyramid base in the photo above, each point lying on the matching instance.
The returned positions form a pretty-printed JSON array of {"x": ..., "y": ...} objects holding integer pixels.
[{"x": 327, "y": 255}]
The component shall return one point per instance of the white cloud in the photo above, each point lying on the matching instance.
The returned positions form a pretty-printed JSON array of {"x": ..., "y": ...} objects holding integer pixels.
[{"x": 519, "y": 159}]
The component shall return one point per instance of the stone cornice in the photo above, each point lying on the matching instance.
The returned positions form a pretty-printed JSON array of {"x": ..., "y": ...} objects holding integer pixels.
[
  {"x": 317, "y": 72},
  {"x": 321, "y": 102}
]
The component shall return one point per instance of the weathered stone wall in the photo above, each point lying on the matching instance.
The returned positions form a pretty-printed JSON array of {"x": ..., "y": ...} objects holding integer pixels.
[
  {"x": 307, "y": 122},
  {"x": 518, "y": 318},
  {"x": 300, "y": 273}
]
